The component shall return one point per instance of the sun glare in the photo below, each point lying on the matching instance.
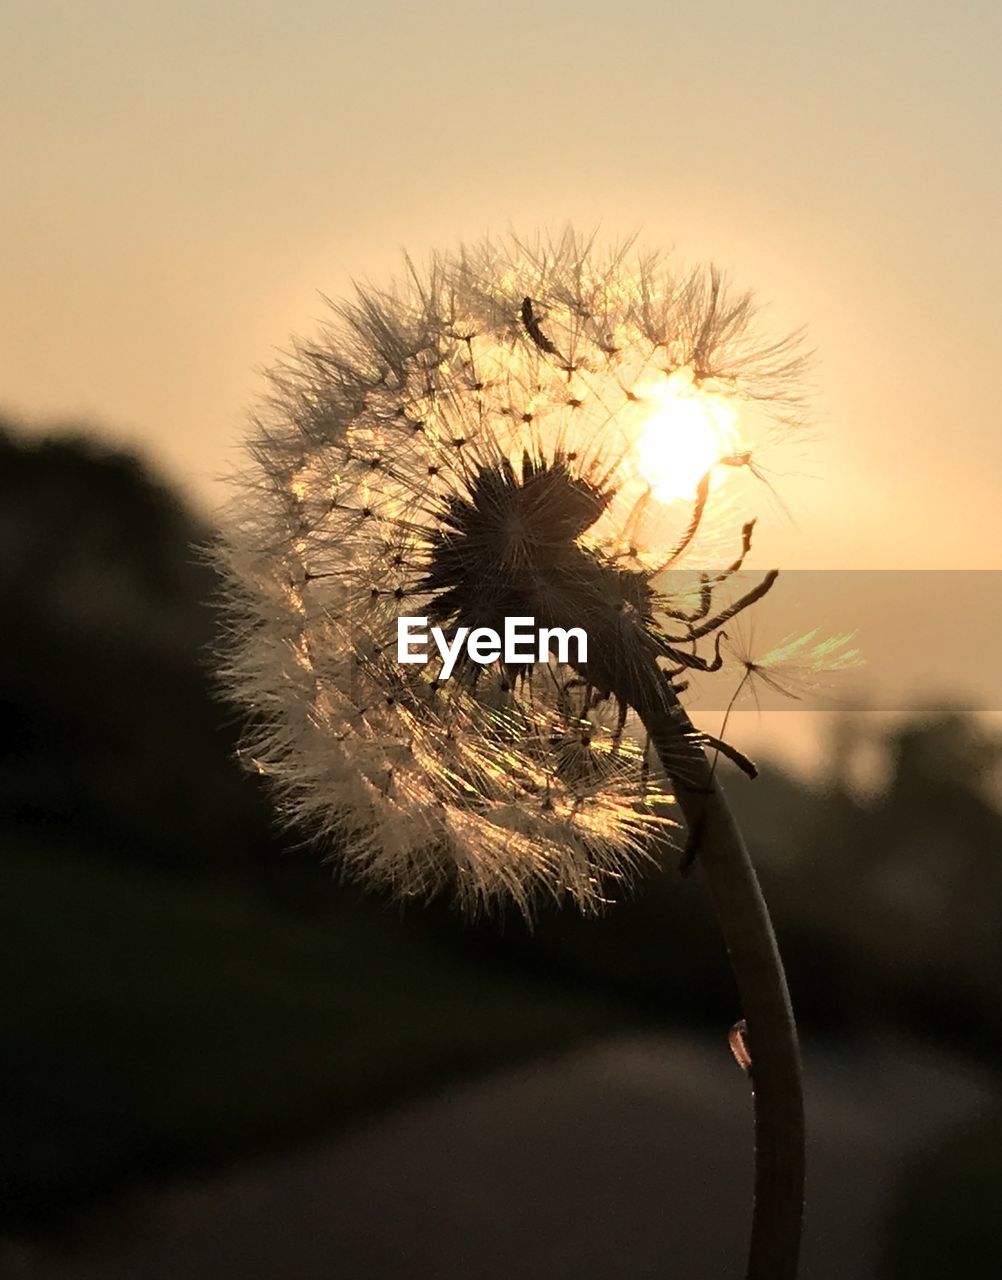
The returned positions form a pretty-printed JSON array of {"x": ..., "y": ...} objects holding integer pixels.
[{"x": 686, "y": 429}]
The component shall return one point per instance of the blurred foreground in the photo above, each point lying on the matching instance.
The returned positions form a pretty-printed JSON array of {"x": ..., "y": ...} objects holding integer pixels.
[{"x": 323, "y": 1084}]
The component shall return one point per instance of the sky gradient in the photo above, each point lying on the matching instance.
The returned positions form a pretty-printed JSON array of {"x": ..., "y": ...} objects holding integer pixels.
[{"x": 183, "y": 181}]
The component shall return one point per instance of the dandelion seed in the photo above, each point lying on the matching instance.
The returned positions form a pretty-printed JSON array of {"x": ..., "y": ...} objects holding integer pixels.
[{"x": 799, "y": 664}]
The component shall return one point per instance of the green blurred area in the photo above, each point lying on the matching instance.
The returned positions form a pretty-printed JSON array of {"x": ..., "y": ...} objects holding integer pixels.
[
  {"x": 946, "y": 1219},
  {"x": 152, "y": 1026}
]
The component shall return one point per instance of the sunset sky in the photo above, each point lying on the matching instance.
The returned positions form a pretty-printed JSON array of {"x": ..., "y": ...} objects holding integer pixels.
[{"x": 182, "y": 181}]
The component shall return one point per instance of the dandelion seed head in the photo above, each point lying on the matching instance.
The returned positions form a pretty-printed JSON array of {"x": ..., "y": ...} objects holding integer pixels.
[{"x": 464, "y": 447}]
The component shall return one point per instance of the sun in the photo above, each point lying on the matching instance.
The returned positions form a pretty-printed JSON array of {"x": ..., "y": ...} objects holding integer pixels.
[{"x": 685, "y": 431}]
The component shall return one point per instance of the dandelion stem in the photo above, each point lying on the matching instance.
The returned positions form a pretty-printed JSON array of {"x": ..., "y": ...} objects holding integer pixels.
[{"x": 744, "y": 920}]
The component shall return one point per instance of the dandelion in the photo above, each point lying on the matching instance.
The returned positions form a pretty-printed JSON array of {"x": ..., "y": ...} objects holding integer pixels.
[
  {"x": 484, "y": 442},
  {"x": 516, "y": 431}
]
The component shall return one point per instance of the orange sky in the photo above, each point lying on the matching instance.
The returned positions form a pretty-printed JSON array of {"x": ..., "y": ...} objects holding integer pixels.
[{"x": 181, "y": 180}]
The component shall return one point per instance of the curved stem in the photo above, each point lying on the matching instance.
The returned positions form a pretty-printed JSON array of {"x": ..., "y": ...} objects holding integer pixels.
[{"x": 743, "y": 918}]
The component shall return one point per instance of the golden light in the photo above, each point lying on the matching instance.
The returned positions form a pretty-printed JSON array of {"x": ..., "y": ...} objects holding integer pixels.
[{"x": 686, "y": 429}]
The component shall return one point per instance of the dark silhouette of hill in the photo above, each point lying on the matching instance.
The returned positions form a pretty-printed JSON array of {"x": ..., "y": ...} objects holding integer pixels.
[{"x": 106, "y": 714}]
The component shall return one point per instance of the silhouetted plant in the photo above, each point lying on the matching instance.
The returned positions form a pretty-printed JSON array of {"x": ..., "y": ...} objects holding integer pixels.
[{"x": 521, "y": 431}]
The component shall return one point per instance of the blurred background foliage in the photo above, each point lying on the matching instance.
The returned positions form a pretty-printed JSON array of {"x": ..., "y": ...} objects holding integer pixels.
[{"x": 185, "y": 985}]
